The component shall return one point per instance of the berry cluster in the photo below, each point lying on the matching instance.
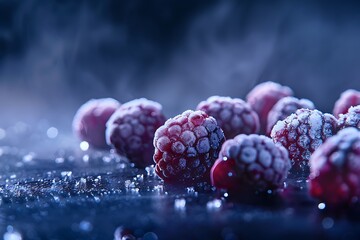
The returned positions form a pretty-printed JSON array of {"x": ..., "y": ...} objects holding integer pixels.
[{"x": 191, "y": 148}]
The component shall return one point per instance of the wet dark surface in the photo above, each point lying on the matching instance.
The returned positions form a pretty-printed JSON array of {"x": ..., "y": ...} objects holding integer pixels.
[{"x": 51, "y": 189}]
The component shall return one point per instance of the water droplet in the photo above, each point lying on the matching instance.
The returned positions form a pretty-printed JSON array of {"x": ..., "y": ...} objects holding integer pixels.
[
  {"x": 180, "y": 204},
  {"x": 214, "y": 205},
  {"x": 52, "y": 132},
  {"x": 28, "y": 157},
  {"x": 85, "y": 226},
  {"x": 11, "y": 234},
  {"x": 321, "y": 206},
  {"x": 84, "y": 146},
  {"x": 59, "y": 160},
  {"x": 86, "y": 158}
]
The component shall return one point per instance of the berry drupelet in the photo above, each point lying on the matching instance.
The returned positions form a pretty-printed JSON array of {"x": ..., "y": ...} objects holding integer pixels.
[
  {"x": 233, "y": 115},
  {"x": 89, "y": 123},
  {"x": 130, "y": 130},
  {"x": 186, "y": 147}
]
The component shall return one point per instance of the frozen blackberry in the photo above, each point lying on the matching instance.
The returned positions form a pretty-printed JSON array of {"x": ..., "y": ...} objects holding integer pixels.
[
  {"x": 347, "y": 99},
  {"x": 301, "y": 134},
  {"x": 263, "y": 97},
  {"x": 186, "y": 148},
  {"x": 335, "y": 169},
  {"x": 284, "y": 108},
  {"x": 250, "y": 162},
  {"x": 89, "y": 123},
  {"x": 233, "y": 115},
  {"x": 130, "y": 130},
  {"x": 350, "y": 119}
]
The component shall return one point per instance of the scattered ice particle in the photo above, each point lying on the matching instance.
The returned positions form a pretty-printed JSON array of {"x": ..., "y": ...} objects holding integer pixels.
[
  {"x": 327, "y": 223},
  {"x": 86, "y": 158},
  {"x": 321, "y": 206},
  {"x": 180, "y": 204},
  {"x": 13, "y": 176},
  {"x": 106, "y": 159},
  {"x": 150, "y": 236},
  {"x": 28, "y": 157},
  {"x": 2, "y": 133},
  {"x": 213, "y": 205},
  {"x": 52, "y": 132},
  {"x": 129, "y": 184},
  {"x": 159, "y": 188},
  {"x": 190, "y": 190},
  {"x": 66, "y": 174},
  {"x": 226, "y": 194},
  {"x": 56, "y": 198},
  {"x": 85, "y": 226},
  {"x": 59, "y": 160},
  {"x": 140, "y": 177},
  {"x": 84, "y": 146},
  {"x": 150, "y": 170},
  {"x": 11, "y": 234},
  {"x": 96, "y": 199}
]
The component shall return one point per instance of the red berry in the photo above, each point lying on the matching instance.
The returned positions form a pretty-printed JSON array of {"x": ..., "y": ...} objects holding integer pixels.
[
  {"x": 263, "y": 97},
  {"x": 233, "y": 115},
  {"x": 250, "y": 162},
  {"x": 284, "y": 108},
  {"x": 301, "y": 134},
  {"x": 347, "y": 99},
  {"x": 335, "y": 169},
  {"x": 131, "y": 130},
  {"x": 186, "y": 147},
  {"x": 89, "y": 123},
  {"x": 350, "y": 119}
]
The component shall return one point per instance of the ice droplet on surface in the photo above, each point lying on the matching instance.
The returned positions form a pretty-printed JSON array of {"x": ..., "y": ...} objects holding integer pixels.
[
  {"x": 85, "y": 226},
  {"x": 11, "y": 234},
  {"x": 321, "y": 206},
  {"x": 84, "y": 146},
  {"x": 52, "y": 132},
  {"x": 180, "y": 204},
  {"x": 213, "y": 205}
]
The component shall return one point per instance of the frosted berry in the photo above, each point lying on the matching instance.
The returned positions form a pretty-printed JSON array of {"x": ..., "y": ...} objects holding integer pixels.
[
  {"x": 233, "y": 115},
  {"x": 250, "y": 162},
  {"x": 263, "y": 97},
  {"x": 186, "y": 147},
  {"x": 347, "y": 99},
  {"x": 335, "y": 169},
  {"x": 90, "y": 120},
  {"x": 284, "y": 108},
  {"x": 130, "y": 130},
  {"x": 350, "y": 119},
  {"x": 301, "y": 134}
]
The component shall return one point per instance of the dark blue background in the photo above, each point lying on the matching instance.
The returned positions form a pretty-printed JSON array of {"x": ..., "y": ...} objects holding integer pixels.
[{"x": 55, "y": 55}]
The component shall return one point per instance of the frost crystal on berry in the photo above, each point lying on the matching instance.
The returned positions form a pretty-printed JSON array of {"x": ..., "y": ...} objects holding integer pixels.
[
  {"x": 233, "y": 115},
  {"x": 301, "y": 134}
]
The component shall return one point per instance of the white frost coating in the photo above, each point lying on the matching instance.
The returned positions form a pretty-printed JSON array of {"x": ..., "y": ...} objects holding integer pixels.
[
  {"x": 315, "y": 121},
  {"x": 278, "y": 165},
  {"x": 338, "y": 159},
  {"x": 248, "y": 154},
  {"x": 278, "y": 126}
]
